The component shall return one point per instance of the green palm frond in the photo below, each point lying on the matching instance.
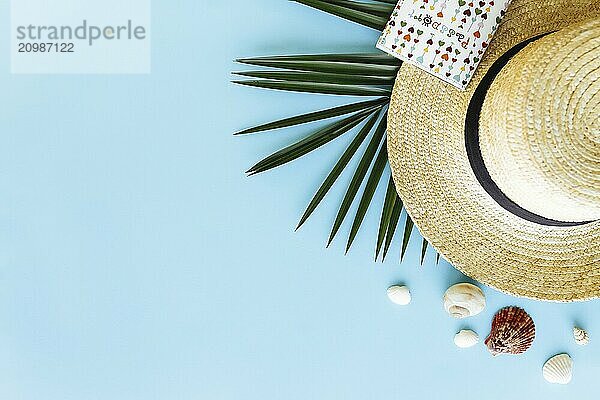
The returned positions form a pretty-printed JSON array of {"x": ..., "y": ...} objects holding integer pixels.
[{"x": 368, "y": 75}]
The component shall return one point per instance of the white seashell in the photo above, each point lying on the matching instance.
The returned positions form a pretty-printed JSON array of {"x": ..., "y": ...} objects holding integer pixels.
[
  {"x": 558, "y": 369},
  {"x": 581, "y": 336},
  {"x": 466, "y": 338},
  {"x": 464, "y": 300},
  {"x": 399, "y": 294}
]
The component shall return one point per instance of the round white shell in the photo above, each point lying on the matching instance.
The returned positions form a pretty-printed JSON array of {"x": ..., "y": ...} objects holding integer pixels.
[
  {"x": 558, "y": 369},
  {"x": 581, "y": 336},
  {"x": 464, "y": 300},
  {"x": 399, "y": 294},
  {"x": 466, "y": 338}
]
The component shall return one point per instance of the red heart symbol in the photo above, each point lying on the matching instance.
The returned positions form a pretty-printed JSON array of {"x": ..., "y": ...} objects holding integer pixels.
[
  {"x": 406, "y": 37},
  {"x": 394, "y": 47},
  {"x": 440, "y": 14},
  {"x": 411, "y": 29},
  {"x": 454, "y": 60},
  {"x": 430, "y": 42},
  {"x": 445, "y": 57},
  {"x": 483, "y": 44},
  {"x": 437, "y": 52},
  {"x": 477, "y": 34},
  {"x": 416, "y": 40}
]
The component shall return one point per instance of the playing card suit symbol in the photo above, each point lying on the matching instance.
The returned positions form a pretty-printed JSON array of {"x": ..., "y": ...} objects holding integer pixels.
[
  {"x": 403, "y": 23},
  {"x": 492, "y": 3},
  {"x": 467, "y": 60},
  {"x": 480, "y": 52},
  {"x": 445, "y": 57},
  {"x": 447, "y": 74},
  {"x": 471, "y": 68},
  {"x": 464, "y": 20},
  {"x": 502, "y": 12},
  {"x": 467, "y": 12},
  {"x": 440, "y": 14},
  {"x": 437, "y": 52},
  {"x": 481, "y": 3},
  {"x": 411, "y": 29},
  {"x": 464, "y": 82},
  {"x": 475, "y": 60},
  {"x": 437, "y": 70},
  {"x": 406, "y": 37},
  {"x": 461, "y": 2},
  {"x": 471, "y": 4},
  {"x": 484, "y": 16},
  {"x": 431, "y": 66},
  {"x": 394, "y": 47},
  {"x": 478, "y": 11},
  {"x": 484, "y": 44},
  {"x": 449, "y": 49},
  {"x": 392, "y": 23},
  {"x": 410, "y": 55},
  {"x": 419, "y": 32},
  {"x": 454, "y": 60},
  {"x": 432, "y": 8},
  {"x": 477, "y": 34},
  {"x": 487, "y": 9},
  {"x": 441, "y": 43},
  {"x": 462, "y": 68},
  {"x": 416, "y": 40},
  {"x": 399, "y": 33},
  {"x": 430, "y": 42}
]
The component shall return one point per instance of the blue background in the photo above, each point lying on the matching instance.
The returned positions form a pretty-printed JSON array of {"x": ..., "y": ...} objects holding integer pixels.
[{"x": 138, "y": 262}]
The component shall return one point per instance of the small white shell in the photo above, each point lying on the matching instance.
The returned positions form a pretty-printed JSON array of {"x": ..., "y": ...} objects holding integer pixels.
[
  {"x": 464, "y": 300},
  {"x": 558, "y": 369},
  {"x": 581, "y": 336},
  {"x": 399, "y": 294},
  {"x": 466, "y": 338}
]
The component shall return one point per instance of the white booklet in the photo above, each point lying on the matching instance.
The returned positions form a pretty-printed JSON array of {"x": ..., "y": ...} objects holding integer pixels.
[{"x": 446, "y": 38}]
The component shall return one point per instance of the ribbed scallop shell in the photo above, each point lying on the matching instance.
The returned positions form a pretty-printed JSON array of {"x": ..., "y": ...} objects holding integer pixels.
[
  {"x": 581, "y": 336},
  {"x": 558, "y": 369},
  {"x": 513, "y": 332}
]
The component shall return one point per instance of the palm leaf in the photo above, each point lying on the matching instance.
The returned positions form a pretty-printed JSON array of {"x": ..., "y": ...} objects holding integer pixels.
[
  {"x": 311, "y": 142},
  {"x": 348, "y": 10},
  {"x": 368, "y": 193},
  {"x": 386, "y": 215},
  {"x": 338, "y": 168},
  {"x": 359, "y": 175},
  {"x": 314, "y": 116},
  {"x": 360, "y": 74},
  {"x": 408, "y": 228},
  {"x": 424, "y": 245}
]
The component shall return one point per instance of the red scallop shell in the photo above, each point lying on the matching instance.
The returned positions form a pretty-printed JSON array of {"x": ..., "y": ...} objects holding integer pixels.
[{"x": 513, "y": 332}]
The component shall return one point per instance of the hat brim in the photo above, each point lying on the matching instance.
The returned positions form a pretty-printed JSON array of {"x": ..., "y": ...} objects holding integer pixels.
[{"x": 454, "y": 212}]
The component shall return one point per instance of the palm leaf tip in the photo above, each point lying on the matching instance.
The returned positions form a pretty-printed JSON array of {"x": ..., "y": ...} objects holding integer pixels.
[{"x": 408, "y": 228}]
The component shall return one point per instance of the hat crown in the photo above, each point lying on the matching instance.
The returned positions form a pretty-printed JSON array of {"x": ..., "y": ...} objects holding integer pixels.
[{"x": 540, "y": 126}]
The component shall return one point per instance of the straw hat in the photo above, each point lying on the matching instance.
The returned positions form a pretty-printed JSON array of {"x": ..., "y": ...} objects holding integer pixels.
[{"x": 503, "y": 179}]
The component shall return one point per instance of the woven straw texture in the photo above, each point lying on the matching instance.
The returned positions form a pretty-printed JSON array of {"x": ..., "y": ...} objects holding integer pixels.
[
  {"x": 432, "y": 173},
  {"x": 540, "y": 126}
]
